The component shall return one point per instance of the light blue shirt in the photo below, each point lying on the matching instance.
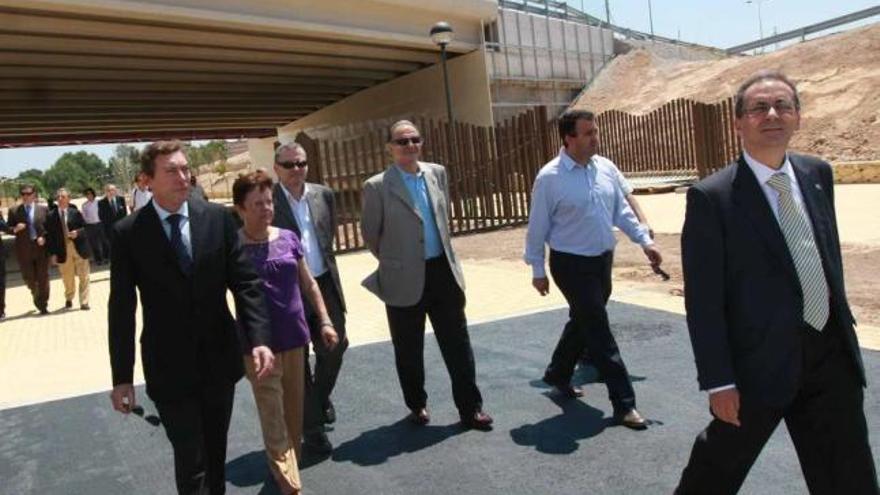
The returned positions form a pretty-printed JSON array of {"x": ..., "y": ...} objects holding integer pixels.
[
  {"x": 183, "y": 211},
  {"x": 32, "y": 229},
  {"x": 418, "y": 191},
  {"x": 574, "y": 209},
  {"x": 308, "y": 235}
]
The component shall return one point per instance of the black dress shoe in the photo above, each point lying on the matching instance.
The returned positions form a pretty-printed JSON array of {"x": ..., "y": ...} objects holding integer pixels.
[
  {"x": 477, "y": 421},
  {"x": 85, "y": 307},
  {"x": 633, "y": 420},
  {"x": 329, "y": 414},
  {"x": 564, "y": 388},
  {"x": 68, "y": 304},
  {"x": 44, "y": 311},
  {"x": 420, "y": 417},
  {"x": 318, "y": 443}
]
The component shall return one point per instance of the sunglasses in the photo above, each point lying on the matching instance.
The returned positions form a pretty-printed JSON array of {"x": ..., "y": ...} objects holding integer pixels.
[
  {"x": 27, "y": 193},
  {"x": 291, "y": 164},
  {"x": 407, "y": 141}
]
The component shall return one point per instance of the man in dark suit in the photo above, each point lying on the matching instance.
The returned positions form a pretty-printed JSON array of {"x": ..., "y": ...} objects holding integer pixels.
[
  {"x": 182, "y": 256},
  {"x": 3, "y": 228},
  {"x": 309, "y": 210},
  {"x": 405, "y": 225},
  {"x": 767, "y": 312},
  {"x": 111, "y": 209},
  {"x": 69, "y": 248},
  {"x": 28, "y": 222}
]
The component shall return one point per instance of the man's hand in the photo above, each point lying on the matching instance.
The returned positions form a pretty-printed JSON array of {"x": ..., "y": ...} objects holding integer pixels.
[
  {"x": 329, "y": 337},
  {"x": 542, "y": 285},
  {"x": 41, "y": 240},
  {"x": 653, "y": 255},
  {"x": 725, "y": 405},
  {"x": 264, "y": 361},
  {"x": 122, "y": 398},
  {"x": 73, "y": 234},
  {"x": 18, "y": 228},
  {"x": 53, "y": 260}
]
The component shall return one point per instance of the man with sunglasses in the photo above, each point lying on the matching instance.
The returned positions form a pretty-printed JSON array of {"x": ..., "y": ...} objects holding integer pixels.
[
  {"x": 405, "y": 224},
  {"x": 27, "y": 222},
  {"x": 309, "y": 210},
  {"x": 767, "y": 312}
]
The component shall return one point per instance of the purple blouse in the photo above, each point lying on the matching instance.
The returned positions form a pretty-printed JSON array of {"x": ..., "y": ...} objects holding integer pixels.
[{"x": 277, "y": 263}]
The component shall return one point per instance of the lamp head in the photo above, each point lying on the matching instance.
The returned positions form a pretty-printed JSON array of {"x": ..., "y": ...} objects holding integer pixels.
[{"x": 442, "y": 34}]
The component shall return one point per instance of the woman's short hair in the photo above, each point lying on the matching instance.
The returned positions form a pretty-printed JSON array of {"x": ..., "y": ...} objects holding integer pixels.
[{"x": 246, "y": 183}]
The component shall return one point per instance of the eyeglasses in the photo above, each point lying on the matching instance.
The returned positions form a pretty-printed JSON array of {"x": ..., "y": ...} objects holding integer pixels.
[
  {"x": 407, "y": 141},
  {"x": 29, "y": 193},
  {"x": 292, "y": 164},
  {"x": 761, "y": 109}
]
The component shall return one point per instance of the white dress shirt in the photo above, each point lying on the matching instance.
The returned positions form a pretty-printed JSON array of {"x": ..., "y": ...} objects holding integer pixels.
[
  {"x": 308, "y": 236},
  {"x": 90, "y": 212},
  {"x": 139, "y": 198}
]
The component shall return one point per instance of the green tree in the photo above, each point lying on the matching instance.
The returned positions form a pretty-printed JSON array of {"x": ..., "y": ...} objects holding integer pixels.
[
  {"x": 124, "y": 164},
  {"x": 206, "y": 153},
  {"x": 76, "y": 171},
  {"x": 31, "y": 176}
]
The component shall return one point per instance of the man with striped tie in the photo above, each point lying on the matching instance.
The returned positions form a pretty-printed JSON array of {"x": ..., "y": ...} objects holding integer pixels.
[{"x": 771, "y": 329}]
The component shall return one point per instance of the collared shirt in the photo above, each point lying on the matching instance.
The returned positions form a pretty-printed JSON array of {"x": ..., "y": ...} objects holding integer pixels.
[
  {"x": 183, "y": 211},
  {"x": 763, "y": 173},
  {"x": 417, "y": 187},
  {"x": 139, "y": 198},
  {"x": 90, "y": 212},
  {"x": 29, "y": 211},
  {"x": 308, "y": 235},
  {"x": 574, "y": 208}
]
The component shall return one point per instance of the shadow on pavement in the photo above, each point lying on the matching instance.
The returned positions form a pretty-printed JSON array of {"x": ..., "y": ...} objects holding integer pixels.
[{"x": 376, "y": 446}]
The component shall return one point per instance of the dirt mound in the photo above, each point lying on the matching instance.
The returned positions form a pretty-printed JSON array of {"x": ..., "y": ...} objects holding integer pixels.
[{"x": 838, "y": 77}]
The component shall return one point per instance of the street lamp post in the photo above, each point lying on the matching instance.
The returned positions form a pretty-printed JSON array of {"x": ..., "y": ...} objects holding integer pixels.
[
  {"x": 442, "y": 35},
  {"x": 760, "y": 21}
]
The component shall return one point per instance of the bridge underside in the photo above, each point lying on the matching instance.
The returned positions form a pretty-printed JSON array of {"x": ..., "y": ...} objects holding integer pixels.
[{"x": 70, "y": 76}]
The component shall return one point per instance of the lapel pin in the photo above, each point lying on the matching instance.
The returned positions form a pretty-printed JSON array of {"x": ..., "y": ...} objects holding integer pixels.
[{"x": 818, "y": 186}]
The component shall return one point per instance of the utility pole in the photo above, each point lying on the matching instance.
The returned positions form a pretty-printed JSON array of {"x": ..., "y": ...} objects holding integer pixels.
[
  {"x": 607, "y": 12},
  {"x": 651, "y": 18}
]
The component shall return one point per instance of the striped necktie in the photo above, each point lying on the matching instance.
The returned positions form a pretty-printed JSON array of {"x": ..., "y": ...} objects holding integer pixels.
[{"x": 802, "y": 247}]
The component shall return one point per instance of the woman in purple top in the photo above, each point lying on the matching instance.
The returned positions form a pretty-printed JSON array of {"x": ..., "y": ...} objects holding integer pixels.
[{"x": 278, "y": 257}]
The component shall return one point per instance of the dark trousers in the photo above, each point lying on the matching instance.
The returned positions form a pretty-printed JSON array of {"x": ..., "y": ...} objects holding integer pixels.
[
  {"x": 585, "y": 281},
  {"x": 320, "y": 383},
  {"x": 98, "y": 241},
  {"x": 826, "y": 422},
  {"x": 443, "y": 302},
  {"x": 197, "y": 427},
  {"x": 34, "y": 264}
]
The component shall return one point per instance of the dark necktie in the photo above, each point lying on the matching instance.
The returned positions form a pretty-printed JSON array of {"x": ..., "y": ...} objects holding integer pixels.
[
  {"x": 32, "y": 232},
  {"x": 183, "y": 258}
]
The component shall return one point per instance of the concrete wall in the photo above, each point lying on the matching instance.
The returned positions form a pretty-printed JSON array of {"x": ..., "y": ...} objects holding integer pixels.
[
  {"x": 262, "y": 152},
  {"x": 533, "y": 46},
  {"x": 420, "y": 93}
]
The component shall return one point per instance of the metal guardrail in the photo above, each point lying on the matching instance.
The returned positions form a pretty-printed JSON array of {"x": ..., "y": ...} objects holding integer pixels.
[
  {"x": 804, "y": 31},
  {"x": 561, "y": 10}
]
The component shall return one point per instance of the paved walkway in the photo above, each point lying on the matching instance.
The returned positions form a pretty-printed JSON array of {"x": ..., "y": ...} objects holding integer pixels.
[{"x": 64, "y": 354}]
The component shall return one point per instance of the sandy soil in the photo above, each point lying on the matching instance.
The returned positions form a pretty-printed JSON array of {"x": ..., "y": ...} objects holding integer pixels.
[
  {"x": 861, "y": 264},
  {"x": 838, "y": 77}
]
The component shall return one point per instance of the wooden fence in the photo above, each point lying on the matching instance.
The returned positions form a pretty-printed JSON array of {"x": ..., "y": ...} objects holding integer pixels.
[
  {"x": 491, "y": 169},
  {"x": 683, "y": 137}
]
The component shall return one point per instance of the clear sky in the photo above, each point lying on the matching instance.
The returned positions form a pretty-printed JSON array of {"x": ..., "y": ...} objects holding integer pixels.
[{"x": 719, "y": 23}]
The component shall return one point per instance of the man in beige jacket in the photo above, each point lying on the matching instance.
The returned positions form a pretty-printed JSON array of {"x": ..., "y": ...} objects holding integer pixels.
[{"x": 406, "y": 226}]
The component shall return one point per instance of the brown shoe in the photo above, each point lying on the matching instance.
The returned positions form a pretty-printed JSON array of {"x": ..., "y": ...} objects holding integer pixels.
[
  {"x": 633, "y": 420},
  {"x": 420, "y": 417},
  {"x": 477, "y": 421},
  {"x": 564, "y": 389}
]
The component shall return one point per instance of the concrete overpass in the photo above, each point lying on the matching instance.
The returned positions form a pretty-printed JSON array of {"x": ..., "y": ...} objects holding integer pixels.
[{"x": 87, "y": 71}]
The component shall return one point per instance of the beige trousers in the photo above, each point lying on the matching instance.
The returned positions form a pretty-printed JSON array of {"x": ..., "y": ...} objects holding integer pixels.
[
  {"x": 279, "y": 397},
  {"x": 75, "y": 265}
]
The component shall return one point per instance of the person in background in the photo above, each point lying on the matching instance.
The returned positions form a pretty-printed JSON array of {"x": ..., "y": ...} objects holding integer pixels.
[
  {"x": 195, "y": 190},
  {"x": 111, "y": 209},
  {"x": 278, "y": 258},
  {"x": 27, "y": 222},
  {"x": 140, "y": 193},
  {"x": 94, "y": 228},
  {"x": 3, "y": 228},
  {"x": 69, "y": 248}
]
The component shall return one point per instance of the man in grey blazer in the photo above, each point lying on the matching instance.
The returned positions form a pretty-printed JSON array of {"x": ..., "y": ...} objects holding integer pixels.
[
  {"x": 406, "y": 226},
  {"x": 308, "y": 209}
]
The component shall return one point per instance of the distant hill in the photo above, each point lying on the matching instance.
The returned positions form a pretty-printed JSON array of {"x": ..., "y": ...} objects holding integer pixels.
[{"x": 838, "y": 77}]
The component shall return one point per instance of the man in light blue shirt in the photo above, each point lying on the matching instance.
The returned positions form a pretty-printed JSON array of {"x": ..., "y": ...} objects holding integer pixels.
[{"x": 576, "y": 202}]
